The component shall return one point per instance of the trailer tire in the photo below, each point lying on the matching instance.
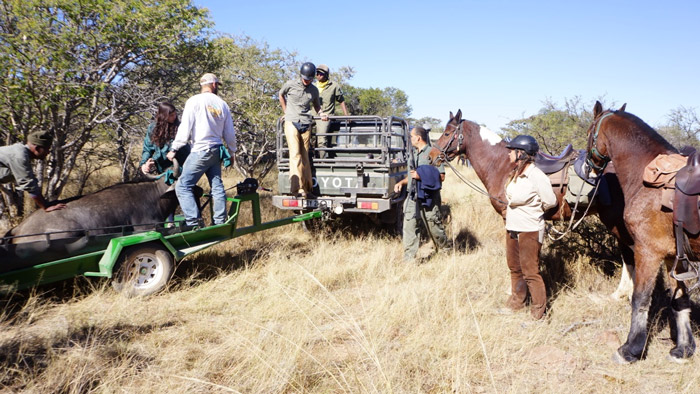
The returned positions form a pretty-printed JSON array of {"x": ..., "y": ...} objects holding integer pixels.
[{"x": 143, "y": 270}]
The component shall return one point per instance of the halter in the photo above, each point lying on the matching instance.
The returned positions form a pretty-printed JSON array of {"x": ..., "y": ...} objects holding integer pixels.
[{"x": 594, "y": 152}]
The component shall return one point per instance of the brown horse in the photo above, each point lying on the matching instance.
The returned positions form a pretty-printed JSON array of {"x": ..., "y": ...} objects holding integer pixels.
[
  {"x": 629, "y": 142},
  {"x": 488, "y": 155}
]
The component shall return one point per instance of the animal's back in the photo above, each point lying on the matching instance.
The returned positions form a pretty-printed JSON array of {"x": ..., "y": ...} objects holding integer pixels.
[{"x": 121, "y": 204}]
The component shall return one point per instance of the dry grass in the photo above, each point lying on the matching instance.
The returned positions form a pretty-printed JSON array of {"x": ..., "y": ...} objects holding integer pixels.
[{"x": 287, "y": 311}]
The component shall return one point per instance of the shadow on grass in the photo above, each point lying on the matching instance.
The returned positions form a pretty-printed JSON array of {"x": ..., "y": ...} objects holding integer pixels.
[
  {"x": 466, "y": 241},
  {"x": 21, "y": 358},
  {"x": 211, "y": 263}
]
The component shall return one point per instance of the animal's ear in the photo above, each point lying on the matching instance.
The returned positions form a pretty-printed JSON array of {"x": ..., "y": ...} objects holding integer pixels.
[
  {"x": 622, "y": 109},
  {"x": 451, "y": 116},
  {"x": 597, "y": 109},
  {"x": 458, "y": 117}
]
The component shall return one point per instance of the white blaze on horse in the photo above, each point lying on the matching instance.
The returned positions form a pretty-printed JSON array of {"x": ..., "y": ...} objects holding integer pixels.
[{"x": 488, "y": 155}]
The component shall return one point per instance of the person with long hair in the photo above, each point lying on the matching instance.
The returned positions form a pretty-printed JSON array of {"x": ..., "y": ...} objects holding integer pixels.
[
  {"x": 529, "y": 194},
  {"x": 159, "y": 137}
]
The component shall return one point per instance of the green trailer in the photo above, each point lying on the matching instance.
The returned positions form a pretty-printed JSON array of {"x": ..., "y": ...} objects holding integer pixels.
[{"x": 138, "y": 262}]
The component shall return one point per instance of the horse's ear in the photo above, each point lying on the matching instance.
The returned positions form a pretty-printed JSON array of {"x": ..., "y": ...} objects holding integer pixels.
[
  {"x": 622, "y": 109},
  {"x": 451, "y": 116},
  {"x": 458, "y": 116},
  {"x": 597, "y": 109}
]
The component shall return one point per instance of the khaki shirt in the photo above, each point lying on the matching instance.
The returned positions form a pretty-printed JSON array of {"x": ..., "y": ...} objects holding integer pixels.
[
  {"x": 16, "y": 166},
  {"x": 329, "y": 96},
  {"x": 421, "y": 157},
  {"x": 299, "y": 100},
  {"x": 528, "y": 195}
]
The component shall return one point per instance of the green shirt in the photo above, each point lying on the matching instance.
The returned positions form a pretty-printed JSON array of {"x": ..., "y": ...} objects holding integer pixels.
[
  {"x": 16, "y": 166},
  {"x": 421, "y": 157},
  {"x": 299, "y": 100},
  {"x": 158, "y": 154},
  {"x": 329, "y": 96}
]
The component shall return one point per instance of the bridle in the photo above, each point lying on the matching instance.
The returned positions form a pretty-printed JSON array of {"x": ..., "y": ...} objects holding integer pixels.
[
  {"x": 593, "y": 148},
  {"x": 460, "y": 140}
]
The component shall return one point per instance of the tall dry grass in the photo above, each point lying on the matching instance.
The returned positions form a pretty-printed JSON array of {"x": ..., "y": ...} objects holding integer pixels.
[{"x": 337, "y": 311}]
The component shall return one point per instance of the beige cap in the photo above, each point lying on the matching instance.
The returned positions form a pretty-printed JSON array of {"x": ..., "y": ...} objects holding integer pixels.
[
  {"x": 208, "y": 78},
  {"x": 40, "y": 138},
  {"x": 323, "y": 68}
]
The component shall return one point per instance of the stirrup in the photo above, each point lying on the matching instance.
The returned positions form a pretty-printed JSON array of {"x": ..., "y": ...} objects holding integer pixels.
[{"x": 692, "y": 273}]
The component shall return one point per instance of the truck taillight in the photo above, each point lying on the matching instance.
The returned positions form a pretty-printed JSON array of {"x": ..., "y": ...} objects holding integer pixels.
[
  {"x": 368, "y": 205},
  {"x": 290, "y": 203}
]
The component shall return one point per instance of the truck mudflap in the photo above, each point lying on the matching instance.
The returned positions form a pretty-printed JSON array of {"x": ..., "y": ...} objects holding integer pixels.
[{"x": 337, "y": 204}]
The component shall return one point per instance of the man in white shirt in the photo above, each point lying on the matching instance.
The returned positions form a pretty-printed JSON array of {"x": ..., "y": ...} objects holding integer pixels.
[{"x": 206, "y": 121}]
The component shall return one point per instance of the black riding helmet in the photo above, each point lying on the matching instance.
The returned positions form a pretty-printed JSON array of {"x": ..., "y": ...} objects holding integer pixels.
[
  {"x": 525, "y": 143},
  {"x": 308, "y": 71}
]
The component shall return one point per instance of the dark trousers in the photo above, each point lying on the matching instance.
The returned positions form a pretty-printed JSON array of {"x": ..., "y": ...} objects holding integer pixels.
[{"x": 523, "y": 257}]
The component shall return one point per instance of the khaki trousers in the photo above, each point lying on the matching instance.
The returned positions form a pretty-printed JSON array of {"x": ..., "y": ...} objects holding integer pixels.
[
  {"x": 412, "y": 225},
  {"x": 523, "y": 257},
  {"x": 299, "y": 165}
]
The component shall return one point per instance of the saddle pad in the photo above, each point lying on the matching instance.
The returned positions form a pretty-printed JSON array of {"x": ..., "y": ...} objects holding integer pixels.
[{"x": 661, "y": 171}]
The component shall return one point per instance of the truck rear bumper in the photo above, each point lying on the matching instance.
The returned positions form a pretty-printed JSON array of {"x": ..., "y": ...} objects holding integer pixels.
[{"x": 337, "y": 204}]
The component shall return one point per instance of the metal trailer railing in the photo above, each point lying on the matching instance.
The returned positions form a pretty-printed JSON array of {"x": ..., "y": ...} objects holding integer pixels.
[{"x": 140, "y": 263}]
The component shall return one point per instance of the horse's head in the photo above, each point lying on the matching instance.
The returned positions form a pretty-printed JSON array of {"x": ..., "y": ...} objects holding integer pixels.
[
  {"x": 597, "y": 151},
  {"x": 451, "y": 141}
]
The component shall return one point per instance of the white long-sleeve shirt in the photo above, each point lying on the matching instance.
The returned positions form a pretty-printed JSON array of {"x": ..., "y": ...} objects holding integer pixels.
[
  {"x": 529, "y": 196},
  {"x": 206, "y": 121}
]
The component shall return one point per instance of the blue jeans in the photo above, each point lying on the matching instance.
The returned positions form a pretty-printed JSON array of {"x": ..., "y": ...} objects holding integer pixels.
[{"x": 197, "y": 164}]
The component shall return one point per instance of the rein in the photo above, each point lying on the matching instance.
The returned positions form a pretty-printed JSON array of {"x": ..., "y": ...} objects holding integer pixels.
[
  {"x": 593, "y": 149},
  {"x": 471, "y": 184},
  {"x": 443, "y": 157}
]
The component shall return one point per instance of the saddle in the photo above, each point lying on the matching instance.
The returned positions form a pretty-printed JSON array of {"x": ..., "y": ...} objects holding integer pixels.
[
  {"x": 686, "y": 218},
  {"x": 552, "y": 164},
  {"x": 685, "y": 198},
  {"x": 557, "y": 167}
]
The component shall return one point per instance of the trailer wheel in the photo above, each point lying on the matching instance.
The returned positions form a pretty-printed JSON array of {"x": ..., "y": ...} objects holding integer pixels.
[{"x": 144, "y": 270}]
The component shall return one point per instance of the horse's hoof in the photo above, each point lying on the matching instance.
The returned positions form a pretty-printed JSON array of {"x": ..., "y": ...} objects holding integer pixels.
[
  {"x": 618, "y": 359},
  {"x": 676, "y": 360}
]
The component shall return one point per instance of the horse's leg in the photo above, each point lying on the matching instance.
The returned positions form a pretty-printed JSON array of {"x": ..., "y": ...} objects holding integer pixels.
[
  {"x": 681, "y": 332},
  {"x": 624, "y": 289},
  {"x": 644, "y": 281}
]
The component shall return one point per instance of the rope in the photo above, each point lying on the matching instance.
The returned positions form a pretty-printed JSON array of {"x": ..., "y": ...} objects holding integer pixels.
[
  {"x": 472, "y": 184},
  {"x": 571, "y": 227}
]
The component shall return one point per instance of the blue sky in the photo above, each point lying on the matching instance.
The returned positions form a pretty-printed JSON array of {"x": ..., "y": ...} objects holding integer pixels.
[{"x": 495, "y": 60}]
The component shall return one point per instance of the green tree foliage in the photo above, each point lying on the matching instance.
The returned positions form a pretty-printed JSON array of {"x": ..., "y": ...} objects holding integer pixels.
[
  {"x": 555, "y": 126},
  {"x": 434, "y": 124},
  {"x": 252, "y": 75},
  {"x": 374, "y": 101},
  {"x": 91, "y": 70},
  {"x": 683, "y": 128}
]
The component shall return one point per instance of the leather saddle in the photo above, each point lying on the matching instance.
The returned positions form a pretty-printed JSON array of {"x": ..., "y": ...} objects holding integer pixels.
[
  {"x": 685, "y": 198},
  {"x": 551, "y": 164},
  {"x": 557, "y": 167}
]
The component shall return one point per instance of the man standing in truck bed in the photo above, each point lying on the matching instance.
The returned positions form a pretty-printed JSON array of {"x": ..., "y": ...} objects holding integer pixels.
[
  {"x": 330, "y": 93},
  {"x": 296, "y": 97},
  {"x": 423, "y": 201}
]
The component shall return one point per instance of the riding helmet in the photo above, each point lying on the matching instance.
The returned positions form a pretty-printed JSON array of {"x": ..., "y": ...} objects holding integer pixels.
[
  {"x": 524, "y": 142},
  {"x": 308, "y": 71}
]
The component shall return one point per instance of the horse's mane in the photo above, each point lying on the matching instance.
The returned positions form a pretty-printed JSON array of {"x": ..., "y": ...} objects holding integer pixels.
[{"x": 648, "y": 132}]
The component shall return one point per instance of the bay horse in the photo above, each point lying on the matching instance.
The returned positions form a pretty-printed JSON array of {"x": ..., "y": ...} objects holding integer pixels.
[
  {"x": 488, "y": 155},
  {"x": 631, "y": 144}
]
